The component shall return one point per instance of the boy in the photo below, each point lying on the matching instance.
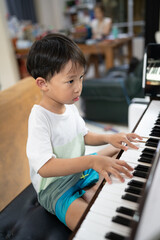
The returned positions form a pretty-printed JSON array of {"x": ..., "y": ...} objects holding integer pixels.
[{"x": 57, "y": 135}]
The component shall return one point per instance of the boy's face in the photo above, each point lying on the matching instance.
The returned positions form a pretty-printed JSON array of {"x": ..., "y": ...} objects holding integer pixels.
[{"x": 66, "y": 86}]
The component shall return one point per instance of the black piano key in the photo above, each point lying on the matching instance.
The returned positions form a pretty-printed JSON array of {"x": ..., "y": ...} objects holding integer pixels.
[
  {"x": 130, "y": 198},
  {"x": 126, "y": 211},
  {"x": 122, "y": 220},
  {"x": 157, "y": 122},
  {"x": 147, "y": 155},
  {"x": 155, "y": 134},
  {"x": 149, "y": 151},
  {"x": 142, "y": 168},
  {"x": 151, "y": 142},
  {"x": 133, "y": 190},
  {"x": 114, "y": 236},
  {"x": 136, "y": 183},
  {"x": 156, "y": 128},
  {"x": 140, "y": 174},
  {"x": 145, "y": 160}
]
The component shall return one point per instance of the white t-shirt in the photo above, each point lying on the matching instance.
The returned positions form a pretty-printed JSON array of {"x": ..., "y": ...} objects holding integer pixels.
[
  {"x": 53, "y": 135},
  {"x": 98, "y": 29}
]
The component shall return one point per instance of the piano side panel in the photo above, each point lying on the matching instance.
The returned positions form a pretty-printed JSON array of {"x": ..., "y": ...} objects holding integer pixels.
[{"x": 149, "y": 226}]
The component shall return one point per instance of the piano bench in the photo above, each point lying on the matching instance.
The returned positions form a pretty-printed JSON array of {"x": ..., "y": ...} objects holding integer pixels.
[{"x": 25, "y": 219}]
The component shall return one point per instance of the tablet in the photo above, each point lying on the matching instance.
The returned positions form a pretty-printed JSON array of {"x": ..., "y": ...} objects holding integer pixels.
[{"x": 151, "y": 70}]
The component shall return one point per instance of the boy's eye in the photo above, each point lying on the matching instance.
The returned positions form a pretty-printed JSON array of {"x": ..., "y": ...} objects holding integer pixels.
[
  {"x": 71, "y": 81},
  {"x": 81, "y": 77}
]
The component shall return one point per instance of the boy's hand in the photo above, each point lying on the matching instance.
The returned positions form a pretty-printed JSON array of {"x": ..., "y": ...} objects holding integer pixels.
[
  {"x": 107, "y": 165},
  {"x": 118, "y": 140}
]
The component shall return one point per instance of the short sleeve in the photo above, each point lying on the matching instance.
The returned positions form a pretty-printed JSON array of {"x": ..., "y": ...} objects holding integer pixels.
[
  {"x": 39, "y": 147},
  {"x": 80, "y": 122}
]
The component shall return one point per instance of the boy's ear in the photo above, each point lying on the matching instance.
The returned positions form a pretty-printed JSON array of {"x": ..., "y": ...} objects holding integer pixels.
[{"x": 41, "y": 83}]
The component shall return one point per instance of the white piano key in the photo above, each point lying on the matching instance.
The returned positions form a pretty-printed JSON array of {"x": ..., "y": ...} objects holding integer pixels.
[
  {"x": 118, "y": 191},
  {"x": 116, "y": 182},
  {"x": 148, "y": 119},
  {"x": 94, "y": 227},
  {"x": 120, "y": 201},
  {"x": 109, "y": 212},
  {"x": 131, "y": 158},
  {"x": 139, "y": 144},
  {"x": 135, "y": 164},
  {"x": 107, "y": 222},
  {"x": 131, "y": 155},
  {"x": 139, "y": 179},
  {"x": 84, "y": 234},
  {"x": 114, "y": 194},
  {"x": 94, "y": 230},
  {"x": 105, "y": 204}
]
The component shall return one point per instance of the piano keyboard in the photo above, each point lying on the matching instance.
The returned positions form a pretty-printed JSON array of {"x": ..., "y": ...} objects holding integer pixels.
[
  {"x": 111, "y": 215},
  {"x": 153, "y": 71}
]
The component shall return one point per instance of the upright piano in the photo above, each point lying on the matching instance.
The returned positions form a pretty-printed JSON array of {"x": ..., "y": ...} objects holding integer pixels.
[{"x": 129, "y": 210}]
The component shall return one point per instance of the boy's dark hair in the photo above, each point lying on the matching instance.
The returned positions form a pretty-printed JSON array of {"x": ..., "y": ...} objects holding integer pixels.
[{"x": 50, "y": 54}]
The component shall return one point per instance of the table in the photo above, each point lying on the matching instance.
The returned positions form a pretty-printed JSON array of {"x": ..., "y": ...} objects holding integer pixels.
[
  {"x": 21, "y": 56},
  {"x": 107, "y": 48}
]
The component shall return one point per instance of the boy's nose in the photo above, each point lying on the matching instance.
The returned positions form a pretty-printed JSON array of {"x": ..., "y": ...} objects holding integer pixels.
[{"x": 78, "y": 87}]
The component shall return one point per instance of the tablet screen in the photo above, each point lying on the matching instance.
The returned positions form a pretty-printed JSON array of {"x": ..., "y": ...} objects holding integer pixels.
[{"x": 151, "y": 70}]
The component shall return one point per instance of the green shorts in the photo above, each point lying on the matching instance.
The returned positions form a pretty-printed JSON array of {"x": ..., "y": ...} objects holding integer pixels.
[
  {"x": 59, "y": 195},
  {"x": 89, "y": 177}
]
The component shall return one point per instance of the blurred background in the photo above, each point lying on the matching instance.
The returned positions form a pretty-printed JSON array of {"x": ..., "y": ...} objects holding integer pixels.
[
  {"x": 114, "y": 58},
  {"x": 23, "y": 21}
]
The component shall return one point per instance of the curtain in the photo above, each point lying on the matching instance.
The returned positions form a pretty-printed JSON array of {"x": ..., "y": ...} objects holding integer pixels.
[{"x": 22, "y": 9}]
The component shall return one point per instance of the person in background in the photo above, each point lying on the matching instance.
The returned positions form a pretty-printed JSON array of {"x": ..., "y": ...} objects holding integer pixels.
[{"x": 101, "y": 25}]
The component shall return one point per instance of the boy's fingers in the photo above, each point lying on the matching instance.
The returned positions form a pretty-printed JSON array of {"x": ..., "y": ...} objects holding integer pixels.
[
  {"x": 123, "y": 170},
  {"x": 139, "y": 137},
  {"x": 126, "y": 165},
  {"x": 134, "y": 135},
  {"x": 120, "y": 146},
  {"x": 123, "y": 147},
  {"x": 131, "y": 144},
  {"x": 106, "y": 176},
  {"x": 133, "y": 140},
  {"x": 117, "y": 175}
]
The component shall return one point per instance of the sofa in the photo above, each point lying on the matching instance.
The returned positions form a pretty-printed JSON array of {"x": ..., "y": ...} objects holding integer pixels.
[
  {"x": 21, "y": 216},
  {"x": 107, "y": 99}
]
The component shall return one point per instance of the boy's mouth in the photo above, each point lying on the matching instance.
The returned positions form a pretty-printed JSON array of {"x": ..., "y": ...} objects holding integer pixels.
[{"x": 76, "y": 99}]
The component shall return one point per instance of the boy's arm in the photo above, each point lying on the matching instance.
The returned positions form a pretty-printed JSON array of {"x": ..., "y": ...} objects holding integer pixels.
[
  {"x": 102, "y": 164},
  {"x": 62, "y": 166},
  {"x": 117, "y": 140},
  {"x": 95, "y": 139}
]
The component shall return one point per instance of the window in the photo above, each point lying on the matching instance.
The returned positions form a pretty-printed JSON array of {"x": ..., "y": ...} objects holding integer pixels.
[{"x": 127, "y": 15}]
